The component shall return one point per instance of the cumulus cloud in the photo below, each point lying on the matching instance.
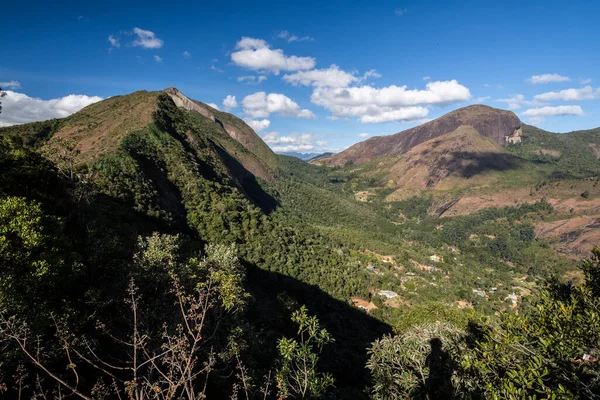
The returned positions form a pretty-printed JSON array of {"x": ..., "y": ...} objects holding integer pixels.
[
  {"x": 304, "y": 142},
  {"x": 186, "y": 54},
  {"x": 18, "y": 108},
  {"x": 256, "y": 54},
  {"x": 230, "y": 102},
  {"x": 213, "y": 105},
  {"x": 332, "y": 77},
  {"x": 515, "y": 102},
  {"x": 405, "y": 114},
  {"x": 364, "y": 135},
  {"x": 426, "y": 78},
  {"x": 146, "y": 39},
  {"x": 114, "y": 41},
  {"x": 584, "y": 93},
  {"x": 261, "y": 105},
  {"x": 548, "y": 78},
  {"x": 258, "y": 125},
  {"x": 328, "y": 77},
  {"x": 251, "y": 79},
  {"x": 392, "y": 103},
  {"x": 158, "y": 59},
  {"x": 10, "y": 85},
  {"x": 553, "y": 111}
]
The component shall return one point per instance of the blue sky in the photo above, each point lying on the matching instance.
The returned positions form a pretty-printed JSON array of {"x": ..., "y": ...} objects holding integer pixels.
[{"x": 312, "y": 75}]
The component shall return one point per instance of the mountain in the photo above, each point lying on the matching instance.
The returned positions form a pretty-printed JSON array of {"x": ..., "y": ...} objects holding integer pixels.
[
  {"x": 477, "y": 158},
  {"x": 302, "y": 156},
  {"x": 140, "y": 192},
  {"x": 324, "y": 155},
  {"x": 501, "y": 126}
]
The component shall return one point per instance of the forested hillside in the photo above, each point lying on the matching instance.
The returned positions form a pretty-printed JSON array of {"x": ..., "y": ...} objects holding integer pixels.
[{"x": 154, "y": 247}]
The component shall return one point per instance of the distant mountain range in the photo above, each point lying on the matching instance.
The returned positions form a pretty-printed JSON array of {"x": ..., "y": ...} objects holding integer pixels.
[{"x": 306, "y": 156}]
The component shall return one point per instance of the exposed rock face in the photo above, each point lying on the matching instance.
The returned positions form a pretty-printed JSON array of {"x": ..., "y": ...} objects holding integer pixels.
[
  {"x": 515, "y": 137},
  {"x": 499, "y": 125},
  {"x": 262, "y": 156},
  {"x": 183, "y": 101}
]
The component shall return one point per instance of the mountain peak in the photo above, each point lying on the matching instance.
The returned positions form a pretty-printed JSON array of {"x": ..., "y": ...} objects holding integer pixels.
[
  {"x": 501, "y": 126},
  {"x": 181, "y": 100}
]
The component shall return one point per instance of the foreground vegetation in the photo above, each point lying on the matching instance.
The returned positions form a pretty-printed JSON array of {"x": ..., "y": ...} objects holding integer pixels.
[{"x": 161, "y": 267}]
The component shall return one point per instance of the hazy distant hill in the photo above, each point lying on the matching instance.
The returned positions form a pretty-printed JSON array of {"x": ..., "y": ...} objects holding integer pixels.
[{"x": 302, "y": 156}]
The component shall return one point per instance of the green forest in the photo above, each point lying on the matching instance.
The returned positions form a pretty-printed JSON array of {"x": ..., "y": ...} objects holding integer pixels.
[{"x": 167, "y": 260}]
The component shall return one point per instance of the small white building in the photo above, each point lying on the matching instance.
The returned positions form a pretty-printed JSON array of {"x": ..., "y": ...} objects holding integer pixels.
[
  {"x": 512, "y": 298},
  {"x": 387, "y": 293}
]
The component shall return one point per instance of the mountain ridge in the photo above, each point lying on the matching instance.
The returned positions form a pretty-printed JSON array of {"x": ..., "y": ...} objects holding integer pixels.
[{"x": 499, "y": 125}]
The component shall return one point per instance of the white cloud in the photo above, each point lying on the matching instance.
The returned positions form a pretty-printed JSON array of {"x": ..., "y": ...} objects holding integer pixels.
[
  {"x": 258, "y": 125},
  {"x": 585, "y": 81},
  {"x": 515, "y": 102},
  {"x": 364, "y": 135},
  {"x": 261, "y": 105},
  {"x": 213, "y": 105},
  {"x": 426, "y": 78},
  {"x": 547, "y": 78},
  {"x": 215, "y": 68},
  {"x": 370, "y": 74},
  {"x": 146, "y": 39},
  {"x": 251, "y": 79},
  {"x": 481, "y": 99},
  {"x": 18, "y": 108},
  {"x": 305, "y": 142},
  {"x": 283, "y": 34},
  {"x": 230, "y": 102},
  {"x": 10, "y": 85},
  {"x": 158, "y": 59},
  {"x": 255, "y": 54},
  {"x": 114, "y": 42},
  {"x": 584, "y": 93},
  {"x": 553, "y": 111},
  {"x": 187, "y": 54},
  {"x": 332, "y": 77},
  {"x": 392, "y": 103},
  {"x": 405, "y": 114},
  {"x": 294, "y": 38}
]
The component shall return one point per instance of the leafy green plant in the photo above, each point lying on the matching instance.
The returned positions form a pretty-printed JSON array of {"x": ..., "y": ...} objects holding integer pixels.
[{"x": 297, "y": 375}]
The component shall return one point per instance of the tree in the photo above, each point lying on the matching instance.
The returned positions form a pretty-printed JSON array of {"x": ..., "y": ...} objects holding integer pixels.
[
  {"x": 297, "y": 374},
  {"x": 549, "y": 350},
  {"x": 149, "y": 361},
  {"x": 420, "y": 363}
]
